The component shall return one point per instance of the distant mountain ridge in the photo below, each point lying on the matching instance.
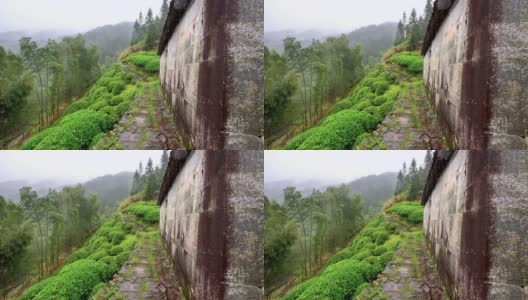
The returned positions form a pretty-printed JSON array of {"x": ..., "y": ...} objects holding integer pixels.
[
  {"x": 374, "y": 39},
  {"x": 110, "y": 189},
  {"x": 374, "y": 189}
]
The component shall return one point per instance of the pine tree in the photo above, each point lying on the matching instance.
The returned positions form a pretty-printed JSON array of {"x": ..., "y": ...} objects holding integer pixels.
[
  {"x": 150, "y": 36},
  {"x": 165, "y": 11},
  {"x": 150, "y": 181},
  {"x": 428, "y": 12},
  {"x": 400, "y": 34}
]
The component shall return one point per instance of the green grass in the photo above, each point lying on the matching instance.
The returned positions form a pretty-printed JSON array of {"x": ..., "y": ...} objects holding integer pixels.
[
  {"x": 148, "y": 211},
  {"x": 410, "y": 211},
  {"x": 87, "y": 120},
  {"x": 351, "y": 269},
  {"x": 147, "y": 60},
  {"x": 86, "y": 270},
  {"x": 349, "y": 120},
  {"x": 410, "y": 61}
]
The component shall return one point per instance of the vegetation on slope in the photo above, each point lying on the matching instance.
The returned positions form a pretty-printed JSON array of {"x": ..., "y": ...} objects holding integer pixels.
[
  {"x": 359, "y": 263},
  {"x": 87, "y": 120},
  {"x": 147, "y": 211},
  {"x": 149, "y": 61},
  {"x": 410, "y": 61},
  {"x": 351, "y": 270},
  {"x": 95, "y": 263},
  {"x": 410, "y": 211},
  {"x": 350, "y": 120}
]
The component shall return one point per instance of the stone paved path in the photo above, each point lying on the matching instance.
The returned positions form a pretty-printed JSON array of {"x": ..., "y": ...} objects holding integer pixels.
[
  {"x": 410, "y": 275},
  {"x": 412, "y": 122},
  {"x": 148, "y": 124},
  {"x": 146, "y": 275}
]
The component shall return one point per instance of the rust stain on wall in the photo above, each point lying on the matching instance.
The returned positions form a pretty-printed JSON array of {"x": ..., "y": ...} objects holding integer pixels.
[
  {"x": 477, "y": 234},
  {"x": 478, "y": 76},
  {"x": 211, "y": 109}
]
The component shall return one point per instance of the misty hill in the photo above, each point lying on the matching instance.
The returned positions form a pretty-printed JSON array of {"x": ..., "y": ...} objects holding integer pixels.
[
  {"x": 274, "y": 190},
  {"x": 374, "y": 39},
  {"x": 110, "y": 189},
  {"x": 375, "y": 189},
  {"x": 110, "y": 40},
  {"x": 274, "y": 39},
  {"x": 9, "y": 40},
  {"x": 9, "y": 189}
]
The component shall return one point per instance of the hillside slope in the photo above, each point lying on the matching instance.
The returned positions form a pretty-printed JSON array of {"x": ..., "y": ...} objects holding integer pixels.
[
  {"x": 361, "y": 270},
  {"x": 388, "y": 109},
  {"x": 124, "y": 109}
]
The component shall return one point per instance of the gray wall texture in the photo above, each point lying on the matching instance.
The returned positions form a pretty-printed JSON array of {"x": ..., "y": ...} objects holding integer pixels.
[
  {"x": 476, "y": 222},
  {"x": 212, "y": 222},
  {"x": 212, "y": 72},
  {"x": 476, "y": 71}
]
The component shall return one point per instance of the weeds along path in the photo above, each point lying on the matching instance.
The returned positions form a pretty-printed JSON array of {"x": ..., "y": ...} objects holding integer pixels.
[
  {"x": 147, "y": 274},
  {"x": 411, "y": 274},
  {"x": 148, "y": 124},
  {"x": 412, "y": 123}
]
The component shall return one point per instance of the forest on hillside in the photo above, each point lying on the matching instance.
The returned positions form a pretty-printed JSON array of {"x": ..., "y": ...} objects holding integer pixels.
[
  {"x": 303, "y": 232},
  {"x": 305, "y": 82},
  {"x": 40, "y": 233},
  {"x": 40, "y": 80}
]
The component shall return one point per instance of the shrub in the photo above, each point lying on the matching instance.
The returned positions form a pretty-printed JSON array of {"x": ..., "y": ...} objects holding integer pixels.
[
  {"x": 115, "y": 250},
  {"x": 411, "y": 211},
  {"x": 381, "y": 237},
  {"x": 148, "y": 211},
  {"x": 116, "y": 237},
  {"x": 98, "y": 255},
  {"x": 339, "y": 131},
  {"x": 149, "y": 61},
  {"x": 379, "y": 251},
  {"x": 74, "y": 281},
  {"x": 411, "y": 61}
]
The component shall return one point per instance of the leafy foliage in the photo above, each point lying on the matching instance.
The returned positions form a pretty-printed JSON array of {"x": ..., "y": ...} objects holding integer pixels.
[
  {"x": 350, "y": 120},
  {"x": 360, "y": 262},
  {"x": 90, "y": 116},
  {"x": 148, "y": 211},
  {"x": 411, "y": 211},
  {"x": 89, "y": 266},
  {"x": 411, "y": 61},
  {"x": 148, "y": 60}
]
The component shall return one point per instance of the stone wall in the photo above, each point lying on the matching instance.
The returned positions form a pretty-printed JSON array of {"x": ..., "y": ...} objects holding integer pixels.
[
  {"x": 212, "y": 72},
  {"x": 212, "y": 222},
  {"x": 476, "y": 72},
  {"x": 475, "y": 220}
]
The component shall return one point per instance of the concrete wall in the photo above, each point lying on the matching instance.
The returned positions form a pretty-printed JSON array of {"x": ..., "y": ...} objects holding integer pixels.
[
  {"x": 212, "y": 221},
  {"x": 212, "y": 73},
  {"x": 476, "y": 222},
  {"x": 476, "y": 73}
]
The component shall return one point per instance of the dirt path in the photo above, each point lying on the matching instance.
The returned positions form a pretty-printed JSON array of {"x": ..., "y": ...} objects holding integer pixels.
[
  {"x": 148, "y": 124},
  {"x": 412, "y": 123},
  {"x": 410, "y": 275},
  {"x": 147, "y": 274}
]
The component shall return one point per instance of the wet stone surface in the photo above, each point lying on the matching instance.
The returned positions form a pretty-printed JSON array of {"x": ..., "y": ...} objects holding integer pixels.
[
  {"x": 410, "y": 275},
  {"x": 148, "y": 123},
  {"x": 412, "y": 123}
]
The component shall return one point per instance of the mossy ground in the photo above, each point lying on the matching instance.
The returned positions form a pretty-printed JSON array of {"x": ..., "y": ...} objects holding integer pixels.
[{"x": 148, "y": 123}]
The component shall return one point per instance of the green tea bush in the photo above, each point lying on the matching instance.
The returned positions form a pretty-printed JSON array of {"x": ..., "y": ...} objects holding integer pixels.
[
  {"x": 353, "y": 267},
  {"x": 148, "y": 211},
  {"x": 339, "y": 131},
  {"x": 148, "y": 60},
  {"x": 74, "y": 281},
  {"x": 411, "y": 211},
  {"x": 85, "y": 121},
  {"x": 411, "y": 61}
]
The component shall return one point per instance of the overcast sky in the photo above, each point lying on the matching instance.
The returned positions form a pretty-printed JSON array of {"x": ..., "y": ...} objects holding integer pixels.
[
  {"x": 334, "y": 15},
  {"x": 71, "y": 166},
  {"x": 70, "y": 15},
  {"x": 341, "y": 166}
]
